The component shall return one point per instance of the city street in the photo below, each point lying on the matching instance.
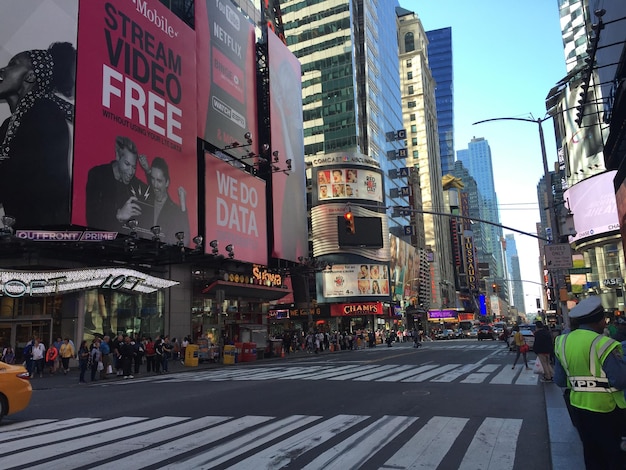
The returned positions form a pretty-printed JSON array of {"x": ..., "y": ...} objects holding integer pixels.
[{"x": 447, "y": 405}]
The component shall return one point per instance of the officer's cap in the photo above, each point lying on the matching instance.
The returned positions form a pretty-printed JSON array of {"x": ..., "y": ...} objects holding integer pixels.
[{"x": 589, "y": 310}]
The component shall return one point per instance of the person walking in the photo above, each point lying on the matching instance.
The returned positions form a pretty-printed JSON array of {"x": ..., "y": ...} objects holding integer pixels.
[
  {"x": 150, "y": 355},
  {"x": 57, "y": 362},
  {"x": 543, "y": 347},
  {"x": 167, "y": 353},
  {"x": 66, "y": 352},
  {"x": 592, "y": 368},
  {"x": 39, "y": 356},
  {"x": 52, "y": 355},
  {"x": 83, "y": 360},
  {"x": 520, "y": 346}
]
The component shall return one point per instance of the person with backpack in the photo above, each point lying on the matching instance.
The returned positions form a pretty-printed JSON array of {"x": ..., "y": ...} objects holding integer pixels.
[{"x": 8, "y": 355}]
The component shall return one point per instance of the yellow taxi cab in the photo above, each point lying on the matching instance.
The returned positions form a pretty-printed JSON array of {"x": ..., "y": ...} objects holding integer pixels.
[{"x": 15, "y": 389}]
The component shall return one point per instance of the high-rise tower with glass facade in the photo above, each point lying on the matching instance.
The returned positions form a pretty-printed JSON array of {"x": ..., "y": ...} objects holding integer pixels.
[{"x": 440, "y": 61}]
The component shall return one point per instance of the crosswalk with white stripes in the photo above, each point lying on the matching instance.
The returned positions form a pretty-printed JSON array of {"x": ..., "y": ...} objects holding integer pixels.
[
  {"x": 475, "y": 373},
  {"x": 340, "y": 442}
]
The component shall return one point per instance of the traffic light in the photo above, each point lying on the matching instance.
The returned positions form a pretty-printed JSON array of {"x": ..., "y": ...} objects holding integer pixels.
[
  {"x": 494, "y": 287},
  {"x": 349, "y": 219}
]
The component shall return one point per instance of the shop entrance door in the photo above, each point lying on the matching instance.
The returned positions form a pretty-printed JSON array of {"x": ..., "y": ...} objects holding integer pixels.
[{"x": 23, "y": 331}]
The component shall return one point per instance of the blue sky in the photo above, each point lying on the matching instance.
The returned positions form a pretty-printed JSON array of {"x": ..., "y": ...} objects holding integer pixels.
[{"x": 506, "y": 57}]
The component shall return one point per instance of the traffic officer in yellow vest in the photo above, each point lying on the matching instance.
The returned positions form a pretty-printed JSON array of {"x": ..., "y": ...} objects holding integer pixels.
[{"x": 591, "y": 366}]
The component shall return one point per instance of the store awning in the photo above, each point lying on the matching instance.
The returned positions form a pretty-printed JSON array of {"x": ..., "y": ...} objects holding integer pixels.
[{"x": 237, "y": 289}]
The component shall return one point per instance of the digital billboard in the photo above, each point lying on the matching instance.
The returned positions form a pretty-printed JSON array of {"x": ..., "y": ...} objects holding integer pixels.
[
  {"x": 135, "y": 139},
  {"x": 226, "y": 58},
  {"x": 38, "y": 61},
  {"x": 349, "y": 183},
  {"x": 289, "y": 187},
  {"x": 403, "y": 269},
  {"x": 356, "y": 280},
  {"x": 235, "y": 211},
  {"x": 593, "y": 204}
]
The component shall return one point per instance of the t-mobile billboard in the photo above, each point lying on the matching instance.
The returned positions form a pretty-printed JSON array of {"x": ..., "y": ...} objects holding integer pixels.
[
  {"x": 289, "y": 187},
  {"x": 135, "y": 142},
  {"x": 235, "y": 211},
  {"x": 226, "y": 74}
]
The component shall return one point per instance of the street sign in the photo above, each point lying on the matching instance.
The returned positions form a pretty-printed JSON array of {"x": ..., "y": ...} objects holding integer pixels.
[{"x": 558, "y": 256}]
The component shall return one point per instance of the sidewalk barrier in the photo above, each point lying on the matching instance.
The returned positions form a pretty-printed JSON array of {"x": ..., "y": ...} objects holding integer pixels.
[
  {"x": 229, "y": 354},
  {"x": 192, "y": 353}
]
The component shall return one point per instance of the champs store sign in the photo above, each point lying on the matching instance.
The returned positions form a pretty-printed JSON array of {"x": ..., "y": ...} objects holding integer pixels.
[{"x": 356, "y": 309}]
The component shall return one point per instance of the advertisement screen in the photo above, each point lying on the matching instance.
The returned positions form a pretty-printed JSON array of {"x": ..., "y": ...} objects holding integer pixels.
[
  {"x": 404, "y": 269},
  {"x": 288, "y": 188},
  {"x": 593, "y": 204},
  {"x": 135, "y": 140},
  {"x": 235, "y": 211},
  {"x": 38, "y": 61},
  {"x": 226, "y": 74},
  {"x": 354, "y": 280},
  {"x": 349, "y": 183}
]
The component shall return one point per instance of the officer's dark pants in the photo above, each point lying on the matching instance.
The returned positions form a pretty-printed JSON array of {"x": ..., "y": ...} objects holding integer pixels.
[{"x": 601, "y": 435}]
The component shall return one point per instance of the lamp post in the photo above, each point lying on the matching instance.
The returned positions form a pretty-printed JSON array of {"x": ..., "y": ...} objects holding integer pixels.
[{"x": 552, "y": 223}]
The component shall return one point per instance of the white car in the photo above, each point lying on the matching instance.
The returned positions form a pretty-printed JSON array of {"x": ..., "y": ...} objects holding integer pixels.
[{"x": 529, "y": 338}]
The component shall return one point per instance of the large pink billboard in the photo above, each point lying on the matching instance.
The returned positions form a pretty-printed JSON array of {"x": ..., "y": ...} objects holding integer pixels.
[
  {"x": 235, "y": 211},
  {"x": 289, "y": 187},
  {"x": 226, "y": 74},
  {"x": 135, "y": 139}
]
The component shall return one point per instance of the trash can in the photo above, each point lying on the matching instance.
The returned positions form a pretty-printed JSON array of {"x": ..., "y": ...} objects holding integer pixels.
[
  {"x": 192, "y": 355},
  {"x": 248, "y": 352},
  {"x": 229, "y": 354}
]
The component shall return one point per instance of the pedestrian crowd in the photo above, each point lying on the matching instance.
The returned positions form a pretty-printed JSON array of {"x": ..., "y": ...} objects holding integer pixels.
[{"x": 102, "y": 358}]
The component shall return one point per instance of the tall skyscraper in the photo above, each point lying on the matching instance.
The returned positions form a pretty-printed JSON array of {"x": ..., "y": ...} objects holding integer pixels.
[
  {"x": 515, "y": 275},
  {"x": 354, "y": 144},
  {"x": 420, "y": 121},
  {"x": 440, "y": 61},
  {"x": 477, "y": 159}
]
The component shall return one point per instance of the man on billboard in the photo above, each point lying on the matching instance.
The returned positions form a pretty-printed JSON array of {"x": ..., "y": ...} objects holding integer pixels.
[
  {"x": 170, "y": 217},
  {"x": 35, "y": 139},
  {"x": 114, "y": 194}
]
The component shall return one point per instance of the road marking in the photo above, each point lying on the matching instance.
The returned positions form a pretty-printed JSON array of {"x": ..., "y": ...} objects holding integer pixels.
[
  {"x": 339, "y": 442},
  {"x": 427, "y": 448},
  {"x": 431, "y": 373},
  {"x": 493, "y": 446}
]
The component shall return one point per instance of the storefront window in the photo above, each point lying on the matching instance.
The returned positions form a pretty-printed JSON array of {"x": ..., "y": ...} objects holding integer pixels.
[
  {"x": 112, "y": 312},
  {"x": 611, "y": 260}
]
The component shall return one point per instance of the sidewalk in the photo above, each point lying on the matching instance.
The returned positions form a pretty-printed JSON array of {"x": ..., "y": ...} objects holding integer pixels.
[{"x": 566, "y": 450}]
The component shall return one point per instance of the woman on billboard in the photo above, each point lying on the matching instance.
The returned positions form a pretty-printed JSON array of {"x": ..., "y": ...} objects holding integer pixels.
[{"x": 35, "y": 153}]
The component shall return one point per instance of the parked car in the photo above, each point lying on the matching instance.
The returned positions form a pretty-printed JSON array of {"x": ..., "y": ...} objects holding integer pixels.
[
  {"x": 486, "y": 332},
  {"x": 15, "y": 389},
  {"x": 529, "y": 338}
]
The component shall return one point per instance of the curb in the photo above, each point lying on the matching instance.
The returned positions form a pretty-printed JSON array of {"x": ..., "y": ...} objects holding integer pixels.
[{"x": 566, "y": 450}]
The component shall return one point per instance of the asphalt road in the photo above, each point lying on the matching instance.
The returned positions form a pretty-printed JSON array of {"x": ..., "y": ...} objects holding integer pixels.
[{"x": 448, "y": 405}]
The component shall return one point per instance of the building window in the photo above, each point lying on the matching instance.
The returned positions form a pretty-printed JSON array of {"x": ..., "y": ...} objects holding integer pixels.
[
  {"x": 409, "y": 75},
  {"x": 409, "y": 63},
  {"x": 412, "y": 104},
  {"x": 411, "y": 89},
  {"x": 416, "y": 154},
  {"x": 414, "y": 141},
  {"x": 409, "y": 42},
  {"x": 412, "y": 117},
  {"x": 413, "y": 128}
]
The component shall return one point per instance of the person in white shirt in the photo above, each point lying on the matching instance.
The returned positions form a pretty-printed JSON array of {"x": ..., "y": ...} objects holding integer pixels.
[{"x": 39, "y": 353}]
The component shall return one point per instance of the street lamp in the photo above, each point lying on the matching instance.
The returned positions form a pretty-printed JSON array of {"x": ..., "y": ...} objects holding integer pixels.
[
  {"x": 554, "y": 227},
  {"x": 539, "y": 121}
]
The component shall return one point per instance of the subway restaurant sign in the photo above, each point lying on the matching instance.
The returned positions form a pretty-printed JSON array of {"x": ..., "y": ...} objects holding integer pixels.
[{"x": 44, "y": 283}]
